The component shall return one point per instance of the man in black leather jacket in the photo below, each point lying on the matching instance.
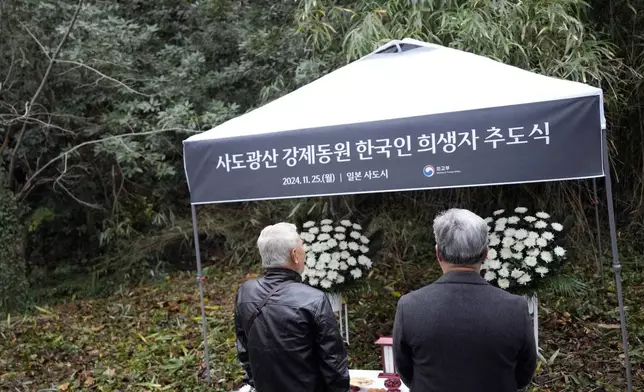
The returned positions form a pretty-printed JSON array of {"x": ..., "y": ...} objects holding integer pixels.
[{"x": 292, "y": 343}]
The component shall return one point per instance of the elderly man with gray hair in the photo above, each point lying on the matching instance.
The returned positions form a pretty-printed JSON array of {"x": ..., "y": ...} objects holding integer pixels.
[
  {"x": 287, "y": 335},
  {"x": 460, "y": 334}
]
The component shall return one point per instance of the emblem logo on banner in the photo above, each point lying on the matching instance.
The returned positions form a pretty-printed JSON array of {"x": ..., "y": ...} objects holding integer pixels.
[{"x": 429, "y": 171}]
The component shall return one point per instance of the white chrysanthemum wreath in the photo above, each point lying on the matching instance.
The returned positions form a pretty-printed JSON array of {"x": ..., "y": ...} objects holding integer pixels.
[
  {"x": 337, "y": 254},
  {"x": 524, "y": 249}
]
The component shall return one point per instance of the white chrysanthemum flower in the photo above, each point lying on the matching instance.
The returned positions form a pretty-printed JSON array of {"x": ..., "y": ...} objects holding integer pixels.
[
  {"x": 332, "y": 275},
  {"x": 542, "y": 243},
  {"x": 491, "y": 254},
  {"x": 343, "y": 245},
  {"x": 521, "y": 234},
  {"x": 311, "y": 263},
  {"x": 530, "y": 242},
  {"x": 546, "y": 256},
  {"x": 513, "y": 220},
  {"x": 343, "y": 266},
  {"x": 540, "y": 225},
  {"x": 345, "y": 255},
  {"x": 530, "y": 261},
  {"x": 506, "y": 253},
  {"x": 364, "y": 249},
  {"x": 314, "y": 230},
  {"x": 331, "y": 243},
  {"x": 327, "y": 229},
  {"x": 494, "y": 264},
  {"x": 326, "y": 222},
  {"x": 325, "y": 283},
  {"x": 501, "y": 221},
  {"x": 305, "y": 247},
  {"x": 485, "y": 265},
  {"x": 494, "y": 239},
  {"x": 506, "y": 265},
  {"x": 324, "y": 237},
  {"x": 334, "y": 265},
  {"x": 320, "y": 273},
  {"x": 308, "y": 224},
  {"x": 520, "y": 210},
  {"x": 529, "y": 219},
  {"x": 352, "y": 261},
  {"x": 341, "y": 229},
  {"x": 364, "y": 260},
  {"x": 499, "y": 228},
  {"x": 489, "y": 220},
  {"x": 542, "y": 215},
  {"x": 534, "y": 252},
  {"x": 325, "y": 257},
  {"x": 548, "y": 236},
  {"x": 557, "y": 226},
  {"x": 519, "y": 246},
  {"x": 346, "y": 223},
  {"x": 490, "y": 276},
  {"x": 498, "y": 212},
  {"x": 541, "y": 271},
  {"x": 508, "y": 242},
  {"x": 357, "y": 226},
  {"x": 504, "y": 272},
  {"x": 534, "y": 235},
  {"x": 335, "y": 256},
  {"x": 503, "y": 283},
  {"x": 355, "y": 235},
  {"x": 340, "y": 279},
  {"x": 340, "y": 237},
  {"x": 354, "y": 246},
  {"x": 517, "y": 255},
  {"x": 509, "y": 232},
  {"x": 559, "y": 251},
  {"x": 314, "y": 281},
  {"x": 320, "y": 266},
  {"x": 364, "y": 240},
  {"x": 356, "y": 273},
  {"x": 517, "y": 273},
  {"x": 524, "y": 279}
]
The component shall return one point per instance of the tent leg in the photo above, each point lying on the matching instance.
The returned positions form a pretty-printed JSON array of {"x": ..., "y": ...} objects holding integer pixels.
[
  {"x": 617, "y": 268},
  {"x": 600, "y": 264},
  {"x": 200, "y": 280}
]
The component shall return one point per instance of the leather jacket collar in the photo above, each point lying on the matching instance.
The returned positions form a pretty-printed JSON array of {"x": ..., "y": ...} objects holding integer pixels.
[{"x": 282, "y": 274}]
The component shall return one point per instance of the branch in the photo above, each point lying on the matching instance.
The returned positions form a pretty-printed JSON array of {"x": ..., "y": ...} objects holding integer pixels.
[
  {"x": 12, "y": 162},
  {"x": 102, "y": 75},
  {"x": 25, "y": 189}
]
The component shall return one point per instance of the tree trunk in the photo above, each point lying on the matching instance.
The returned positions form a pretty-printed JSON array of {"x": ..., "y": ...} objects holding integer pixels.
[{"x": 13, "y": 279}]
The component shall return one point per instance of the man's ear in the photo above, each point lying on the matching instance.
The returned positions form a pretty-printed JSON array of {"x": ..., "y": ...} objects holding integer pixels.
[
  {"x": 438, "y": 255},
  {"x": 484, "y": 255}
]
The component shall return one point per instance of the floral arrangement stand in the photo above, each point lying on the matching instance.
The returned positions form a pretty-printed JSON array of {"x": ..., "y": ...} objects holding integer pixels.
[
  {"x": 339, "y": 255},
  {"x": 339, "y": 306}
]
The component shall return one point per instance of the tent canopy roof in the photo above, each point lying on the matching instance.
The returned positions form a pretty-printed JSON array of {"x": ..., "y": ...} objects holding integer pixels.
[{"x": 410, "y": 78}]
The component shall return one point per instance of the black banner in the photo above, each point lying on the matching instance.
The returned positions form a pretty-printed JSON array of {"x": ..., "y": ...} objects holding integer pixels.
[{"x": 548, "y": 141}]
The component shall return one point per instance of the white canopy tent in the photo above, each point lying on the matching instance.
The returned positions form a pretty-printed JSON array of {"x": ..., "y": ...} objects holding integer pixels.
[{"x": 418, "y": 115}]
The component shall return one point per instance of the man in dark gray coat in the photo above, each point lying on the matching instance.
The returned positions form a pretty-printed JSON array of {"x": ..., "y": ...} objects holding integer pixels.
[{"x": 461, "y": 334}]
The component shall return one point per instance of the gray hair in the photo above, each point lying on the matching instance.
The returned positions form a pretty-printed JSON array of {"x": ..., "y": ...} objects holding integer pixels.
[
  {"x": 461, "y": 236},
  {"x": 275, "y": 243}
]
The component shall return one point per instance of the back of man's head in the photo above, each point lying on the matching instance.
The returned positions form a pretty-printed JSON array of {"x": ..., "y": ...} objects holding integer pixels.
[
  {"x": 275, "y": 244},
  {"x": 461, "y": 237}
]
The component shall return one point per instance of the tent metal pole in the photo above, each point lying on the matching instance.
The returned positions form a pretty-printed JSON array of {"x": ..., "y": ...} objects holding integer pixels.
[
  {"x": 600, "y": 253},
  {"x": 617, "y": 268},
  {"x": 200, "y": 279}
]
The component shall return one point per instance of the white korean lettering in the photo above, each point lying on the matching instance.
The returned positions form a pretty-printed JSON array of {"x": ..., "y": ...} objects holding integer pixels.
[
  {"x": 495, "y": 136},
  {"x": 223, "y": 161},
  {"x": 270, "y": 156},
  {"x": 342, "y": 150},
  {"x": 516, "y": 136},
  {"x": 307, "y": 154},
  {"x": 427, "y": 143},
  {"x": 382, "y": 146},
  {"x": 364, "y": 148},
  {"x": 238, "y": 161},
  {"x": 290, "y": 156},
  {"x": 384, "y": 173},
  {"x": 543, "y": 134},
  {"x": 403, "y": 144},
  {"x": 324, "y": 153},
  {"x": 253, "y": 159},
  {"x": 466, "y": 139},
  {"x": 449, "y": 139}
]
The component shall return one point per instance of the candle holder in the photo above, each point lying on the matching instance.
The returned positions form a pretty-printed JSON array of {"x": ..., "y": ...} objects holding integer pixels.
[{"x": 392, "y": 379}]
